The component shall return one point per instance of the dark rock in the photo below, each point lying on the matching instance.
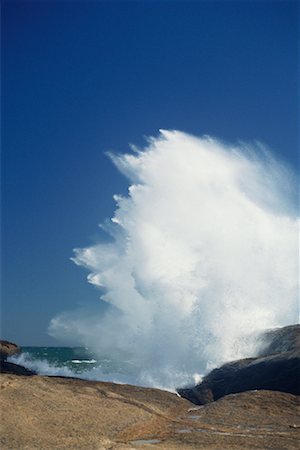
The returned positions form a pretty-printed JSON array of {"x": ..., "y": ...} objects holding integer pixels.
[
  {"x": 280, "y": 340},
  {"x": 16, "y": 369},
  {"x": 8, "y": 349},
  {"x": 277, "y": 369}
]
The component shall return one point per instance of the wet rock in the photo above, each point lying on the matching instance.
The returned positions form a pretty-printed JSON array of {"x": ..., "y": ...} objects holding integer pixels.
[
  {"x": 277, "y": 369},
  {"x": 8, "y": 349},
  {"x": 16, "y": 369},
  {"x": 280, "y": 340}
]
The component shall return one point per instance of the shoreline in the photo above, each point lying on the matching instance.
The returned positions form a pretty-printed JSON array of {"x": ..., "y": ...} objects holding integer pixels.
[{"x": 249, "y": 403}]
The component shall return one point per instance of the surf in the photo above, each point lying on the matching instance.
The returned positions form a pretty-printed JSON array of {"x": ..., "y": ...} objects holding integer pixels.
[{"x": 202, "y": 257}]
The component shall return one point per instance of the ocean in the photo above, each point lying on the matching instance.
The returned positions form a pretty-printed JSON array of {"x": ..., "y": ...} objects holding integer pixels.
[
  {"x": 72, "y": 361},
  {"x": 80, "y": 362}
]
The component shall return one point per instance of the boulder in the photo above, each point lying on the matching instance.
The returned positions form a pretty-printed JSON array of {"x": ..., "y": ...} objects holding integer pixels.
[
  {"x": 277, "y": 368},
  {"x": 15, "y": 369},
  {"x": 280, "y": 340},
  {"x": 8, "y": 349}
]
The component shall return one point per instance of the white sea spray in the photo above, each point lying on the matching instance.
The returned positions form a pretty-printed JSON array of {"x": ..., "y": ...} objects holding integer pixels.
[{"x": 203, "y": 256}]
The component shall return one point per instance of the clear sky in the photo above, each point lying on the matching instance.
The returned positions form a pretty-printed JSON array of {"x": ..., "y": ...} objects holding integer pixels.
[{"x": 82, "y": 78}]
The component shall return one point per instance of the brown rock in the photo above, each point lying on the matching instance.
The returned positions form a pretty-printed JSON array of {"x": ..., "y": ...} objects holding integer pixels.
[
  {"x": 61, "y": 413},
  {"x": 8, "y": 349}
]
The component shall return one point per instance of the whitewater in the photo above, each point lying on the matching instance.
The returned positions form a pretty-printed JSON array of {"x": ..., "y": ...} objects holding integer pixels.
[{"x": 202, "y": 257}]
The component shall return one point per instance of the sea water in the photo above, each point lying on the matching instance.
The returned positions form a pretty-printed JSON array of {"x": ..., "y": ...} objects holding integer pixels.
[
  {"x": 80, "y": 362},
  {"x": 69, "y": 361}
]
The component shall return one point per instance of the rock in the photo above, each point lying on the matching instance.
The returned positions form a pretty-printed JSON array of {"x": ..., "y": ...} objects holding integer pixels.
[
  {"x": 278, "y": 369},
  {"x": 16, "y": 369},
  {"x": 8, "y": 349},
  {"x": 68, "y": 413},
  {"x": 64, "y": 413},
  {"x": 280, "y": 340}
]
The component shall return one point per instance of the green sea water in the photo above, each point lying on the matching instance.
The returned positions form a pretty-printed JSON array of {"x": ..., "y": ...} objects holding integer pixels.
[
  {"x": 77, "y": 359},
  {"x": 73, "y": 361},
  {"x": 80, "y": 362}
]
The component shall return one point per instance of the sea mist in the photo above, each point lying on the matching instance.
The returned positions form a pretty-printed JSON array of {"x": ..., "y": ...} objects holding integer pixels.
[{"x": 203, "y": 256}]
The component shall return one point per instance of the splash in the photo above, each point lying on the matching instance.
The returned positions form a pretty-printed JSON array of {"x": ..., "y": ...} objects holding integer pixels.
[{"x": 203, "y": 256}]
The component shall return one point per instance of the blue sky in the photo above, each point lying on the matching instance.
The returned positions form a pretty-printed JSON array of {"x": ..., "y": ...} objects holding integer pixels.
[{"x": 83, "y": 78}]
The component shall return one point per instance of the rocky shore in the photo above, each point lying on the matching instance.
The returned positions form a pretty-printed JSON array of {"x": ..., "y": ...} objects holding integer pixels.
[
  {"x": 277, "y": 368},
  {"x": 66, "y": 413},
  {"x": 10, "y": 349}
]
